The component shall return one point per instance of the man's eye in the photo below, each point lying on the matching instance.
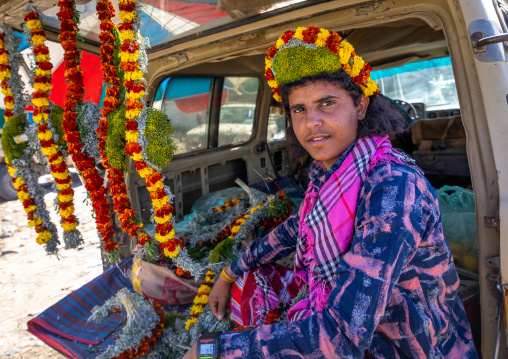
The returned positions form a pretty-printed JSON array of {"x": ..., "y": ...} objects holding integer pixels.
[
  {"x": 327, "y": 103},
  {"x": 298, "y": 110}
]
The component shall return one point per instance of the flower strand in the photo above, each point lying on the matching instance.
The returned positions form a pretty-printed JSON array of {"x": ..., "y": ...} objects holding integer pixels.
[
  {"x": 40, "y": 99},
  {"x": 85, "y": 164},
  {"x": 110, "y": 74},
  {"x": 200, "y": 300},
  {"x": 19, "y": 168},
  {"x": 135, "y": 89}
]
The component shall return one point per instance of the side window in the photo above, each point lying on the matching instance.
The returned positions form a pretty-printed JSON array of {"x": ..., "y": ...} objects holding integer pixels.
[
  {"x": 208, "y": 112},
  {"x": 236, "y": 119},
  {"x": 276, "y": 130},
  {"x": 185, "y": 100}
]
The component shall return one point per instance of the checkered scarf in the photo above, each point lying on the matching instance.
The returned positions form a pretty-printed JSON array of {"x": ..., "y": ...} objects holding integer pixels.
[{"x": 327, "y": 216}]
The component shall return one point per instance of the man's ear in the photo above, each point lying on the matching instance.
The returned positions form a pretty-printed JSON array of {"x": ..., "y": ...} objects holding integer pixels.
[{"x": 362, "y": 107}]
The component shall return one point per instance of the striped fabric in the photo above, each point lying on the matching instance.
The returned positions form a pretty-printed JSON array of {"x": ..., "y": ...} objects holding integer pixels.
[
  {"x": 65, "y": 326},
  {"x": 258, "y": 291}
]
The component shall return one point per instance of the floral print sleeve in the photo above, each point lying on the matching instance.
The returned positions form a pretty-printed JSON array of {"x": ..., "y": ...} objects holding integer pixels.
[{"x": 395, "y": 289}]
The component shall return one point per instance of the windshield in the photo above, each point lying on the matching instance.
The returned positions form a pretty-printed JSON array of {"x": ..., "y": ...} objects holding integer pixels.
[
  {"x": 161, "y": 20},
  {"x": 430, "y": 82}
]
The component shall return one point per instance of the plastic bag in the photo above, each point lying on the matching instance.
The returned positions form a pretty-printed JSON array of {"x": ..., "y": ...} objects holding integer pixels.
[
  {"x": 162, "y": 284},
  {"x": 458, "y": 214},
  {"x": 218, "y": 198}
]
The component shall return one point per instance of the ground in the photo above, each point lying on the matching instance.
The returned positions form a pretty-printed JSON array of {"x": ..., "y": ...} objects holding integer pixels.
[{"x": 32, "y": 281}]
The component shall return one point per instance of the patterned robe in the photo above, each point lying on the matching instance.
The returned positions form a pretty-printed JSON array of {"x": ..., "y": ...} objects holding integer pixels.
[{"x": 395, "y": 289}]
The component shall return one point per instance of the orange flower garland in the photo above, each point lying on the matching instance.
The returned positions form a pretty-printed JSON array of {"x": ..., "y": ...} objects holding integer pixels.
[
  {"x": 5, "y": 73},
  {"x": 75, "y": 90},
  {"x": 237, "y": 223},
  {"x": 226, "y": 205},
  {"x": 146, "y": 342},
  {"x": 40, "y": 99},
  {"x": 118, "y": 189},
  {"x": 29, "y": 203},
  {"x": 135, "y": 90},
  {"x": 200, "y": 300}
]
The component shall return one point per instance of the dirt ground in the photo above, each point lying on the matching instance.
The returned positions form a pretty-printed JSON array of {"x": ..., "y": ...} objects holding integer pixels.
[{"x": 31, "y": 281}]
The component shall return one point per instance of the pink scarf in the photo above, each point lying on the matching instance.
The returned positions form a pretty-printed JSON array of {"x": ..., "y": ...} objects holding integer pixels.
[{"x": 327, "y": 222}]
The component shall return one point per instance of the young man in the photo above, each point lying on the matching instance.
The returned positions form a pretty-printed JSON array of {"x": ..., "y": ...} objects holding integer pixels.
[{"x": 368, "y": 237}]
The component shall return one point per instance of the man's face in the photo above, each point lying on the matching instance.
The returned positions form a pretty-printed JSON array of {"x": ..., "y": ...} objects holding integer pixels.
[{"x": 325, "y": 119}]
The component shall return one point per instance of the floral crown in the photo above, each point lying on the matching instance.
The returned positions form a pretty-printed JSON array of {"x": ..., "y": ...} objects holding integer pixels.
[{"x": 311, "y": 50}]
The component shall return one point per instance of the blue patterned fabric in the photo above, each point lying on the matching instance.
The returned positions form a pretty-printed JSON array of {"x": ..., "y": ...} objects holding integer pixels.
[
  {"x": 395, "y": 290},
  {"x": 65, "y": 325}
]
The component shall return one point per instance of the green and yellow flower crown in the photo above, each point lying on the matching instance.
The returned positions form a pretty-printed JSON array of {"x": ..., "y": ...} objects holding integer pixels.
[{"x": 311, "y": 50}]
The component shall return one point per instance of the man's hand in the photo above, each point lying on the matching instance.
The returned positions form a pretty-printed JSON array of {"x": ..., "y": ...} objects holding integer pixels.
[
  {"x": 192, "y": 353},
  {"x": 219, "y": 298}
]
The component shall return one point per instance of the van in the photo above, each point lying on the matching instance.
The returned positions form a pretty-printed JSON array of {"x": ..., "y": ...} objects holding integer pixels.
[{"x": 444, "y": 61}]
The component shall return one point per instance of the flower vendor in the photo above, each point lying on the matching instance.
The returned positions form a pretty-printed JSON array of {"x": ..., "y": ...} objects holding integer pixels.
[{"x": 373, "y": 275}]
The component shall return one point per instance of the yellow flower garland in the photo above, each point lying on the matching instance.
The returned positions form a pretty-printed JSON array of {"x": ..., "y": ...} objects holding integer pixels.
[
  {"x": 129, "y": 55},
  {"x": 19, "y": 184},
  {"x": 40, "y": 100},
  {"x": 201, "y": 299}
]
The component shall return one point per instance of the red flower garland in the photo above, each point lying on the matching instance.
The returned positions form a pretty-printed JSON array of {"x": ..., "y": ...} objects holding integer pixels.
[
  {"x": 133, "y": 75},
  {"x": 74, "y": 97},
  {"x": 118, "y": 189}
]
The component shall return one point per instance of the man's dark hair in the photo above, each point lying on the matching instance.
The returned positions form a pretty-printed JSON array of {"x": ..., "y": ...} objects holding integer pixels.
[{"x": 382, "y": 116}]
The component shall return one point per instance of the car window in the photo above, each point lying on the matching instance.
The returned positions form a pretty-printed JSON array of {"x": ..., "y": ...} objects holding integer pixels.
[
  {"x": 197, "y": 122},
  {"x": 276, "y": 130},
  {"x": 430, "y": 82},
  {"x": 185, "y": 100},
  {"x": 236, "y": 118}
]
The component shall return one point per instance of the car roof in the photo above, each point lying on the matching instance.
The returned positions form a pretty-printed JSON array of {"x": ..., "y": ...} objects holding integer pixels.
[{"x": 180, "y": 24}]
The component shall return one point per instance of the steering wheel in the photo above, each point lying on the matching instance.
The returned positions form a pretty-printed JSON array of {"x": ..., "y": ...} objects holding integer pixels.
[{"x": 408, "y": 106}]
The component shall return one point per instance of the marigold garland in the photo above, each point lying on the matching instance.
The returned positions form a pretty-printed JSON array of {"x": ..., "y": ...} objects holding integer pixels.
[
  {"x": 40, "y": 99},
  {"x": 5, "y": 74},
  {"x": 201, "y": 299},
  {"x": 44, "y": 235},
  {"x": 69, "y": 19},
  {"x": 110, "y": 74},
  {"x": 294, "y": 51},
  {"x": 135, "y": 90},
  {"x": 35, "y": 209},
  {"x": 228, "y": 204}
]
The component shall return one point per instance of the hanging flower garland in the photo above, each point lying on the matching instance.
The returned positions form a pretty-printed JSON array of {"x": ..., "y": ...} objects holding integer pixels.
[
  {"x": 40, "y": 99},
  {"x": 69, "y": 19},
  {"x": 200, "y": 300},
  {"x": 135, "y": 90},
  {"x": 5, "y": 74},
  {"x": 110, "y": 74},
  {"x": 18, "y": 155}
]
